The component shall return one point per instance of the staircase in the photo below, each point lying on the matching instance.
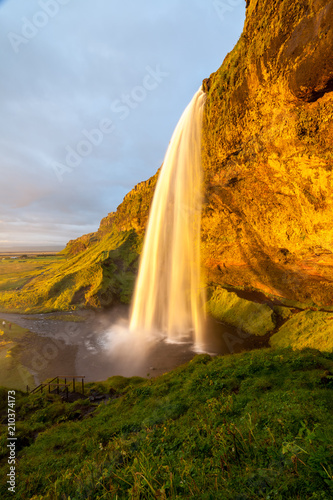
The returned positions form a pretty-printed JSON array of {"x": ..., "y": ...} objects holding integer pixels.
[{"x": 59, "y": 385}]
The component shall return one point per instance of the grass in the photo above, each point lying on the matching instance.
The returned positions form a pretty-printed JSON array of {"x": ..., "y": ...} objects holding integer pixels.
[
  {"x": 267, "y": 158},
  {"x": 12, "y": 372},
  {"x": 256, "y": 425},
  {"x": 15, "y": 273}
]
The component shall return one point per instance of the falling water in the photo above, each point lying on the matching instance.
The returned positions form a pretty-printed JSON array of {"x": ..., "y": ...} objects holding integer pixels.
[{"x": 168, "y": 296}]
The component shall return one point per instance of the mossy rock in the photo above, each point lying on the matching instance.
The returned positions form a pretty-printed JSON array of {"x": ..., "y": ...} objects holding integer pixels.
[
  {"x": 250, "y": 317},
  {"x": 306, "y": 329}
]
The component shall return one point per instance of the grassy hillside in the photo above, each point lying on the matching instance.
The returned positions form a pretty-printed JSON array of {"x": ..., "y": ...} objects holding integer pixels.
[
  {"x": 100, "y": 275},
  {"x": 251, "y": 426}
]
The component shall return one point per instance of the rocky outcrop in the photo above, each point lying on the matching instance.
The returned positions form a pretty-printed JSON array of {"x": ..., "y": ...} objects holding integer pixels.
[
  {"x": 267, "y": 153},
  {"x": 133, "y": 212}
]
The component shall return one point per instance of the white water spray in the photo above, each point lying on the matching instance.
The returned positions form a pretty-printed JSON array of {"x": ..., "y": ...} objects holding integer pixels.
[{"x": 169, "y": 297}]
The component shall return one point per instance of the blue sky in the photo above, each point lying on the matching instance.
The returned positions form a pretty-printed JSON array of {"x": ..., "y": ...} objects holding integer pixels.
[{"x": 90, "y": 94}]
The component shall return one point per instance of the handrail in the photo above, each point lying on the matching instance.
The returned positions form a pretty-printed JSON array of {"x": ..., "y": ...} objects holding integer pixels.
[
  {"x": 57, "y": 384},
  {"x": 41, "y": 385}
]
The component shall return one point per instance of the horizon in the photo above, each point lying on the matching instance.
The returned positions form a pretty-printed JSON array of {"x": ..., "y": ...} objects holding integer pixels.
[{"x": 31, "y": 249}]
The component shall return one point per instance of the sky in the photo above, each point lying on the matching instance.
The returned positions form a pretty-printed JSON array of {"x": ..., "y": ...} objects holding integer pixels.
[{"x": 90, "y": 93}]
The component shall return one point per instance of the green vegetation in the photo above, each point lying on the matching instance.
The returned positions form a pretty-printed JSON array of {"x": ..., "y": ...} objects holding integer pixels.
[
  {"x": 94, "y": 271},
  {"x": 12, "y": 372},
  {"x": 251, "y": 317},
  {"x": 101, "y": 275},
  {"x": 282, "y": 312},
  {"x": 17, "y": 272},
  {"x": 255, "y": 426},
  {"x": 251, "y": 426}
]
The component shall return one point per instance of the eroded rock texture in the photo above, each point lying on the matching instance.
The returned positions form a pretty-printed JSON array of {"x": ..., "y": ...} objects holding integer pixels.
[{"x": 268, "y": 158}]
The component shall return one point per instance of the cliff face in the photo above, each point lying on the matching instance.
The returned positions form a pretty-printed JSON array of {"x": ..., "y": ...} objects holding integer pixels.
[{"x": 267, "y": 155}]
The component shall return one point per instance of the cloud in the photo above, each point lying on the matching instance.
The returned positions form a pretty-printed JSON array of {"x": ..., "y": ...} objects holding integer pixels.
[{"x": 63, "y": 82}]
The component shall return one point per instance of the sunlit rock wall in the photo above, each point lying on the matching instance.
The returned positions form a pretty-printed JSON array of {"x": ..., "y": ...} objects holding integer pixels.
[{"x": 268, "y": 156}]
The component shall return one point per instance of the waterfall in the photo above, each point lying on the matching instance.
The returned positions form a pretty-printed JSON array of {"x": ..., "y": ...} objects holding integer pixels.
[{"x": 169, "y": 296}]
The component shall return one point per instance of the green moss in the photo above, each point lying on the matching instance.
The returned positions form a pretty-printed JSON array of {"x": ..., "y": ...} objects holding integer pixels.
[
  {"x": 252, "y": 318},
  {"x": 306, "y": 329}
]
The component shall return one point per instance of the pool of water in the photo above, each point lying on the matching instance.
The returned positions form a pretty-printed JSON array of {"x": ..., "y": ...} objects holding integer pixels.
[{"x": 100, "y": 346}]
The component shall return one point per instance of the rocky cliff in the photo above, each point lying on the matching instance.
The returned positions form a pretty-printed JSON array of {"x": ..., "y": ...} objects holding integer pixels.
[{"x": 267, "y": 154}]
